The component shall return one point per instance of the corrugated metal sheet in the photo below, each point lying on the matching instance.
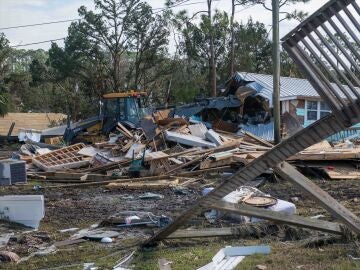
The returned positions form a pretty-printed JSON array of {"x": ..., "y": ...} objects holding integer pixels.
[
  {"x": 345, "y": 135},
  {"x": 264, "y": 131},
  {"x": 289, "y": 87}
]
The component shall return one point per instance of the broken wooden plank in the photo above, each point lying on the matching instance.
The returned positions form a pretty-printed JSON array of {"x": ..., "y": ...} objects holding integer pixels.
[
  {"x": 208, "y": 163},
  {"x": 197, "y": 233},
  {"x": 199, "y": 172},
  {"x": 10, "y": 130},
  {"x": 288, "y": 172},
  {"x": 175, "y": 161},
  {"x": 223, "y": 155},
  {"x": 124, "y": 131},
  {"x": 185, "y": 164},
  {"x": 100, "y": 183},
  {"x": 158, "y": 184},
  {"x": 278, "y": 217},
  {"x": 155, "y": 155},
  {"x": 327, "y": 154},
  {"x": 75, "y": 176}
]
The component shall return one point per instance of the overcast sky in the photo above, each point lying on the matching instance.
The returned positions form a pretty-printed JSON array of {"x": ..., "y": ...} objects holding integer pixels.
[{"x": 22, "y": 12}]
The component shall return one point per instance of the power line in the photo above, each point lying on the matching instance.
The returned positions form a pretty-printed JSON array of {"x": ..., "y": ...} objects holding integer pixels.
[
  {"x": 38, "y": 24},
  {"x": 175, "y": 4},
  {"x": 245, "y": 8},
  {"x": 71, "y": 20},
  {"x": 39, "y": 42},
  {"x": 179, "y": 4}
]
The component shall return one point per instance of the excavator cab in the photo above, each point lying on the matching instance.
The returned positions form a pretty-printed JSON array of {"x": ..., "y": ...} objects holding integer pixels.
[{"x": 127, "y": 108}]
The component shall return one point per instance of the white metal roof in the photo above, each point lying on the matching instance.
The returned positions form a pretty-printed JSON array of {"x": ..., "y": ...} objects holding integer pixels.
[{"x": 290, "y": 88}]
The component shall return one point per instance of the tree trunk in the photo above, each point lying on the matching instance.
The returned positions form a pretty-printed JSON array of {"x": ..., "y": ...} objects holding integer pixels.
[
  {"x": 116, "y": 73},
  {"x": 212, "y": 67}
]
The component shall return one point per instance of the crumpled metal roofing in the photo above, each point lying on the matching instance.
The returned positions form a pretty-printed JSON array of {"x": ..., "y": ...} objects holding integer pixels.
[
  {"x": 208, "y": 103},
  {"x": 264, "y": 131},
  {"x": 289, "y": 87}
]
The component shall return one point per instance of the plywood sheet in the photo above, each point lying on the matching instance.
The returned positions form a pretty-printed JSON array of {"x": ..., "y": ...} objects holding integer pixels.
[{"x": 37, "y": 121}]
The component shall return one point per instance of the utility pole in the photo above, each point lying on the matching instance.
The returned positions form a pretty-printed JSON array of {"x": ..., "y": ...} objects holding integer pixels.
[
  {"x": 276, "y": 70},
  {"x": 212, "y": 63},
  {"x": 232, "y": 45}
]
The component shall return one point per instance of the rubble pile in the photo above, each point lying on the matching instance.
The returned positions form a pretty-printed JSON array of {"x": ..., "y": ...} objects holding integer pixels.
[
  {"x": 167, "y": 147},
  {"x": 165, "y": 154}
]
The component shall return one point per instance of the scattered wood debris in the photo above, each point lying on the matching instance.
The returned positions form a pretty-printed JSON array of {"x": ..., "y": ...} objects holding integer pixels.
[
  {"x": 201, "y": 149},
  {"x": 64, "y": 158}
]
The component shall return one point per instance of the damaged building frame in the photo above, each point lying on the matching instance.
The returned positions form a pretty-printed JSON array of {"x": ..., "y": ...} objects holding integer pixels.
[
  {"x": 301, "y": 105},
  {"x": 305, "y": 44}
]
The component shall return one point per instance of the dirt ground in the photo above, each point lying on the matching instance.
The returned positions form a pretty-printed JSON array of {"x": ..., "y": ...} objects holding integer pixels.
[{"x": 82, "y": 207}]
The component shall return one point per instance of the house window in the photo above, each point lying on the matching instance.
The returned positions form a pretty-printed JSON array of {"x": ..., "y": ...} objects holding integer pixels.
[
  {"x": 312, "y": 110},
  {"x": 316, "y": 110},
  {"x": 324, "y": 109}
]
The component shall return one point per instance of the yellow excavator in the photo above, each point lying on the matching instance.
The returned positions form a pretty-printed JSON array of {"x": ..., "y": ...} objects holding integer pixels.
[{"x": 127, "y": 108}]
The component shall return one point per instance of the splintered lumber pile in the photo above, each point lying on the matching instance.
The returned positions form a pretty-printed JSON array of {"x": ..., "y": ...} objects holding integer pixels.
[
  {"x": 154, "y": 182},
  {"x": 157, "y": 184},
  {"x": 166, "y": 146},
  {"x": 328, "y": 154},
  {"x": 124, "y": 131},
  {"x": 243, "y": 153},
  {"x": 324, "y": 151},
  {"x": 337, "y": 162}
]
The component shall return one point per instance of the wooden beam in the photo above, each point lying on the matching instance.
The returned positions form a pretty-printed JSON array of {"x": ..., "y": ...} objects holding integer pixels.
[
  {"x": 124, "y": 131},
  {"x": 196, "y": 233},
  {"x": 76, "y": 176},
  {"x": 87, "y": 184},
  {"x": 197, "y": 172},
  {"x": 278, "y": 217},
  {"x": 195, "y": 160},
  {"x": 10, "y": 130},
  {"x": 288, "y": 172}
]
